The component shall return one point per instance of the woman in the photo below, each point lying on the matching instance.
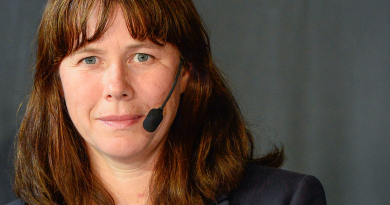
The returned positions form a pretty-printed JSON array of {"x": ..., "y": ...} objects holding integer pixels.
[{"x": 87, "y": 136}]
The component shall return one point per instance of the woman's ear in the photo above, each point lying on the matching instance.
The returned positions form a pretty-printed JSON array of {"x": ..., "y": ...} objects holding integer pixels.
[{"x": 185, "y": 76}]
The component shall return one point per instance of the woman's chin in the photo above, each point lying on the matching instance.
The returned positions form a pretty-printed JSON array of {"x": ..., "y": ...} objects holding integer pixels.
[{"x": 122, "y": 149}]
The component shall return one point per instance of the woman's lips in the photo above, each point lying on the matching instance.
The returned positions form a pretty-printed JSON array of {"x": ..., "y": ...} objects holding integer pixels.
[{"x": 120, "y": 122}]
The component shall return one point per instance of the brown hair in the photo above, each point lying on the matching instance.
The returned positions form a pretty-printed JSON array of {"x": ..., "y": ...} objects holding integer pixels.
[{"x": 208, "y": 144}]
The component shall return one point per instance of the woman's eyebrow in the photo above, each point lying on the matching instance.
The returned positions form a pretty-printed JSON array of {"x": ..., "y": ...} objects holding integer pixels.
[
  {"x": 87, "y": 49},
  {"x": 135, "y": 46},
  {"x": 143, "y": 45}
]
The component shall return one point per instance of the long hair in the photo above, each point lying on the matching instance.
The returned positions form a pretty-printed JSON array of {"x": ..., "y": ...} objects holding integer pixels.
[{"x": 207, "y": 147}]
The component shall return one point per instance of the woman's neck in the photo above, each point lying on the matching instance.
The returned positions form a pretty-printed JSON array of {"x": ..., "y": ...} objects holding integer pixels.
[
  {"x": 128, "y": 183},
  {"x": 127, "y": 186}
]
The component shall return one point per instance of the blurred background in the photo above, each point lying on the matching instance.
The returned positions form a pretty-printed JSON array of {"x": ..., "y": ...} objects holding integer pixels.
[{"x": 313, "y": 76}]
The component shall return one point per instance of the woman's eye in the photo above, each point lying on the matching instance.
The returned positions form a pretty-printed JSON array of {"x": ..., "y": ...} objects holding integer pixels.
[
  {"x": 90, "y": 60},
  {"x": 141, "y": 57}
]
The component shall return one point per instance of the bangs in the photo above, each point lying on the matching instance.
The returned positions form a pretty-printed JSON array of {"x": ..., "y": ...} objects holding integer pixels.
[
  {"x": 72, "y": 20},
  {"x": 146, "y": 19}
]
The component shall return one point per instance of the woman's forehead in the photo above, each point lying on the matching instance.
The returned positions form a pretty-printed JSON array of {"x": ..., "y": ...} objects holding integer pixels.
[
  {"x": 87, "y": 21},
  {"x": 116, "y": 26},
  {"x": 96, "y": 18}
]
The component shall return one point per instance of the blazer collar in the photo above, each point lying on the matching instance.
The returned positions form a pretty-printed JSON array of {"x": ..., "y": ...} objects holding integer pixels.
[{"x": 221, "y": 200}]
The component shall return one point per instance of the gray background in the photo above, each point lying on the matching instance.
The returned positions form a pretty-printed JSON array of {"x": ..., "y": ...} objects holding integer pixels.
[{"x": 311, "y": 75}]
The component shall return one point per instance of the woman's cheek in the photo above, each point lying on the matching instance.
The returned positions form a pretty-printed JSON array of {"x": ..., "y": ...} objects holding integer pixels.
[{"x": 81, "y": 95}]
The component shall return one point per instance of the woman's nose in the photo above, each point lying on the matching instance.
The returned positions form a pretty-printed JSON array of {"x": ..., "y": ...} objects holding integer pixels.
[{"x": 117, "y": 84}]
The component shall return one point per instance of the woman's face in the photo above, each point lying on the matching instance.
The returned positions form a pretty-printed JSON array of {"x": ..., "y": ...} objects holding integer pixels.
[{"x": 111, "y": 84}]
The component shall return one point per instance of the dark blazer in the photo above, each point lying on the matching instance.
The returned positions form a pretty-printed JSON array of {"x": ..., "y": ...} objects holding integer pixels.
[{"x": 268, "y": 186}]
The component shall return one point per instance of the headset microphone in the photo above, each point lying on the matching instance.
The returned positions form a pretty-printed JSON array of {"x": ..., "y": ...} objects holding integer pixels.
[{"x": 155, "y": 115}]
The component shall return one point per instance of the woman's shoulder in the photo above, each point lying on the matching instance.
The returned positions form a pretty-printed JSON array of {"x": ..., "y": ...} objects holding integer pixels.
[
  {"x": 264, "y": 185},
  {"x": 16, "y": 202}
]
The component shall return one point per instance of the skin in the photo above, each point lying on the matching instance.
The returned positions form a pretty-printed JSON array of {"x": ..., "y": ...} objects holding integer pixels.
[{"x": 109, "y": 87}]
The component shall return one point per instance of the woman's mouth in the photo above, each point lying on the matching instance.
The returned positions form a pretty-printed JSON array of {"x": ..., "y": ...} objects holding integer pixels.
[{"x": 120, "y": 122}]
